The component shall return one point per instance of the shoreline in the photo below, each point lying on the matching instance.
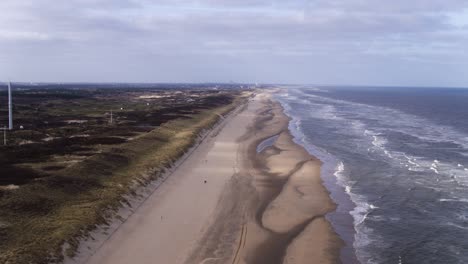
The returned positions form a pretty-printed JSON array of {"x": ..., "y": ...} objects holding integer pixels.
[
  {"x": 275, "y": 205},
  {"x": 228, "y": 202},
  {"x": 341, "y": 218}
]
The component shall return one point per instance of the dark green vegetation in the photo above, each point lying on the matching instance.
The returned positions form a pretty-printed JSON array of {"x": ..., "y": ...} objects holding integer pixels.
[{"x": 68, "y": 168}]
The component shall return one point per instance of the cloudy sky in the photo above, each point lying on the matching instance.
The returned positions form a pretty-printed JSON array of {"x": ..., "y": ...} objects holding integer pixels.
[{"x": 398, "y": 42}]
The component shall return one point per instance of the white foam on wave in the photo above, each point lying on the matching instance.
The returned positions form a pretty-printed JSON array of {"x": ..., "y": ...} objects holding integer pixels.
[
  {"x": 412, "y": 161},
  {"x": 339, "y": 169},
  {"x": 366, "y": 139},
  {"x": 348, "y": 189},
  {"x": 448, "y": 171},
  {"x": 341, "y": 178},
  {"x": 297, "y": 123},
  {"x": 395, "y": 121},
  {"x": 324, "y": 112},
  {"x": 434, "y": 169},
  {"x": 376, "y": 139},
  {"x": 451, "y": 172},
  {"x": 456, "y": 225},
  {"x": 364, "y": 235},
  {"x": 378, "y": 142},
  {"x": 460, "y": 200},
  {"x": 413, "y": 125},
  {"x": 359, "y": 213}
]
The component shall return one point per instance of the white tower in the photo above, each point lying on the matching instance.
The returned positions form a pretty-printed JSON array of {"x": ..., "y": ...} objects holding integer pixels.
[{"x": 10, "y": 108}]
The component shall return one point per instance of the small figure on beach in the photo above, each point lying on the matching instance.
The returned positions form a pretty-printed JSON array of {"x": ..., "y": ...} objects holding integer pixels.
[{"x": 205, "y": 181}]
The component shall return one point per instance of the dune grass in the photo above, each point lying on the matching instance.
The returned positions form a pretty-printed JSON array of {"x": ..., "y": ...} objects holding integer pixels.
[{"x": 37, "y": 219}]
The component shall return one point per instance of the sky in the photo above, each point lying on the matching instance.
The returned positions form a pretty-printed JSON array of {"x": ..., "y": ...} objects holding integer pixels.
[{"x": 353, "y": 42}]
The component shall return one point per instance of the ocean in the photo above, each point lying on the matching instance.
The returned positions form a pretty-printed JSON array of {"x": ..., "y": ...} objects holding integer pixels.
[{"x": 395, "y": 162}]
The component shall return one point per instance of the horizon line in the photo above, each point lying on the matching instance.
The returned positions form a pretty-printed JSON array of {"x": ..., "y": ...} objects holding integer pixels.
[{"x": 229, "y": 83}]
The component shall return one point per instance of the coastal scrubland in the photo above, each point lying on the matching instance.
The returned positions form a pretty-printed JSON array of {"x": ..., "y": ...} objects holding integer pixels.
[{"x": 80, "y": 152}]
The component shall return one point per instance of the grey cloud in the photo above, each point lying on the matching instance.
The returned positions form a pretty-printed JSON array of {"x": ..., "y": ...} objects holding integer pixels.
[{"x": 245, "y": 40}]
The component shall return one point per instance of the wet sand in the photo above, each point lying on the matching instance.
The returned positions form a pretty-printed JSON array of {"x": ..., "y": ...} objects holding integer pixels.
[
  {"x": 273, "y": 210},
  {"x": 265, "y": 207}
]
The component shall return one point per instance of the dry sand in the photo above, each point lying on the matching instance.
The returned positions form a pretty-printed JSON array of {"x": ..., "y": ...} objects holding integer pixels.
[{"x": 263, "y": 207}]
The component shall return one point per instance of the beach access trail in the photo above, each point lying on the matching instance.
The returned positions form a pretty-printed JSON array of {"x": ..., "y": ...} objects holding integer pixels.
[{"x": 226, "y": 203}]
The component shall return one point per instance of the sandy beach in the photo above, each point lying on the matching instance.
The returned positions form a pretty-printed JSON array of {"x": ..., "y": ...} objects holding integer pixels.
[{"x": 228, "y": 203}]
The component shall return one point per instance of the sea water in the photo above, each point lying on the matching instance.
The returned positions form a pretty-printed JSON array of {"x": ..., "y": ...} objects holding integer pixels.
[{"x": 395, "y": 162}]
